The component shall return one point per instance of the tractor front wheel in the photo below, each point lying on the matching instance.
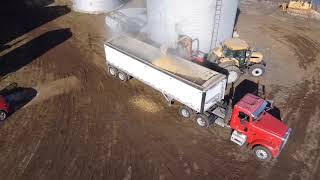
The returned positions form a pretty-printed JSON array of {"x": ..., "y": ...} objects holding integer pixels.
[{"x": 257, "y": 70}]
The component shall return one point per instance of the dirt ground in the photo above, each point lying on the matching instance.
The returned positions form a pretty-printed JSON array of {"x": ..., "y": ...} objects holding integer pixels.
[{"x": 83, "y": 124}]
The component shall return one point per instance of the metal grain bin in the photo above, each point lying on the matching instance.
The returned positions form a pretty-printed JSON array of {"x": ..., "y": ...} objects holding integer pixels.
[
  {"x": 209, "y": 21},
  {"x": 96, "y": 6}
]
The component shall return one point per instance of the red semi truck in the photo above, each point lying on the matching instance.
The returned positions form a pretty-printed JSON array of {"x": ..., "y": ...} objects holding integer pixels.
[
  {"x": 253, "y": 125},
  {"x": 201, "y": 91}
]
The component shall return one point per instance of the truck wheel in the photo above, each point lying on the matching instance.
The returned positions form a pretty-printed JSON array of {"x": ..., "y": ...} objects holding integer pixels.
[
  {"x": 186, "y": 112},
  {"x": 234, "y": 74},
  {"x": 113, "y": 71},
  {"x": 3, "y": 115},
  {"x": 257, "y": 70},
  {"x": 123, "y": 76},
  {"x": 261, "y": 153},
  {"x": 203, "y": 121}
]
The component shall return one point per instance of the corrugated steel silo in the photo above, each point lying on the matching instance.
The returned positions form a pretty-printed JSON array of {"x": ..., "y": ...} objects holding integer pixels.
[
  {"x": 209, "y": 21},
  {"x": 96, "y": 6}
]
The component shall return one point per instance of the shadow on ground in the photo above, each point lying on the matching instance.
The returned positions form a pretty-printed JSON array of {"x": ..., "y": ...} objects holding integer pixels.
[
  {"x": 19, "y": 17},
  {"x": 33, "y": 49},
  {"x": 17, "y": 97}
]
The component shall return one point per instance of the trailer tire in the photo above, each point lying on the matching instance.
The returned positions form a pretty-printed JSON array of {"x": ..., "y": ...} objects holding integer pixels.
[
  {"x": 257, "y": 70},
  {"x": 203, "y": 121},
  {"x": 262, "y": 154},
  {"x": 112, "y": 71},
  {"x": 123, "y": 76},
  {"x": 3, "y": 115},
  {"x": 186, "y": 113}
]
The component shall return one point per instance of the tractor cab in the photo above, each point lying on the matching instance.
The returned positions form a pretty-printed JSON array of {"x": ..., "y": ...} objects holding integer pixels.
[{"x": 236, "y": 49}]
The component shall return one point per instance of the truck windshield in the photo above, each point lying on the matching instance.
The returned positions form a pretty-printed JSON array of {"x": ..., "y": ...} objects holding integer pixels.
[{"x": 259, "y": 111}]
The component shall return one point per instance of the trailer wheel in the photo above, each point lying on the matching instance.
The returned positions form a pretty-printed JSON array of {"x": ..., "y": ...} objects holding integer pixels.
[
  {"x": 3, "y": 115},
  {"x": 112, "y": 71},
  {"x": 186, "y": 112},
  {"x": 262, "y": 154},
  {"x": 203, "y": 121},
  {"x": 123, "y": 76}
]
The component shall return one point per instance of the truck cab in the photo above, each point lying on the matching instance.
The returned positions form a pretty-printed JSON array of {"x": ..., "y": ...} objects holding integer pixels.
[{"x": 254, "y": 126}]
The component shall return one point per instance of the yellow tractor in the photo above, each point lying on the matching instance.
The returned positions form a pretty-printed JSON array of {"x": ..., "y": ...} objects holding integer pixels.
[{"x": 237, "y": 57}]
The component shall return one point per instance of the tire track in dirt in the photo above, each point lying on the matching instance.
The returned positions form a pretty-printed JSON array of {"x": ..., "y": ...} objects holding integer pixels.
[
  {"x": 303, "y": 148},
  {"x": 302, "y": 109},
  {"x": 299, "y": 101},
  {"x": 305, "y": 48}
]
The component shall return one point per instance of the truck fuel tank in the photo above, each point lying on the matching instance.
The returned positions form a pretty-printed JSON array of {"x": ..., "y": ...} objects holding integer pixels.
[{"x": 238, "y": 138}]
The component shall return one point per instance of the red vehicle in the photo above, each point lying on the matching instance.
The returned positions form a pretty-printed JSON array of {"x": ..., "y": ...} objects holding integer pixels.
[
  {"x": 4, "y": 104},
  {"x": 4, "y": 109},
  {"x": 253, "y": 126}
]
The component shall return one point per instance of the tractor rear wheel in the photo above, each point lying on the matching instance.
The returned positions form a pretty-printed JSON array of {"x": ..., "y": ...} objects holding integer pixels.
[{"x": 234, "y": 74}]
